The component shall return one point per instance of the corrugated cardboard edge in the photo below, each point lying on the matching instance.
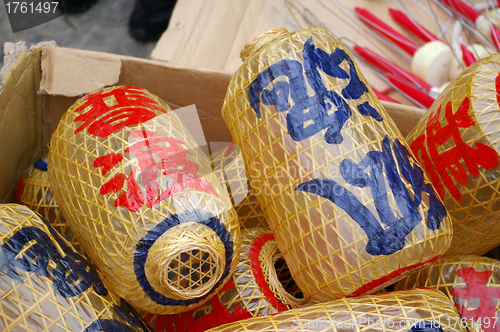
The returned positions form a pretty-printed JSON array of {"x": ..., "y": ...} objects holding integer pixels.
[
  {"x": 70, "y": 72},
  {"x": 20, "y": 115},
  {"x": 178, "y": 85}
]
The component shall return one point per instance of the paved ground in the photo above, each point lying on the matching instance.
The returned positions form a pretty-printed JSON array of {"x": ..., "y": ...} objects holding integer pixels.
[{"x": 102, "y": 28}]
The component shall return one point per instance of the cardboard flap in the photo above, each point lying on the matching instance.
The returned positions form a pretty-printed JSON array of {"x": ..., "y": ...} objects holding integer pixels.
[
  {"x": 20, "y": 116},
  {"x": 70, "y": 72},
  {"x": 406, "y": 117}
]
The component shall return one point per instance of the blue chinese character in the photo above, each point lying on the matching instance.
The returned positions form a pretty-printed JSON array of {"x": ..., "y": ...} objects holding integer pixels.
[
  {"x": 382, "y": 166},
  {"x": 108, "y": 325},
  {"x": 426, "y": 326},
  {"x": 310, "y": 114},
  {"x": 73, "y": 273}
]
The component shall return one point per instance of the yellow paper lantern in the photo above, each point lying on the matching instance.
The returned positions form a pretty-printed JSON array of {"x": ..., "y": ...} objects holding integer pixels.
[
  {"x": 46, "y": 285},
  {"x": 260, "y": 285},
  {"x": 347, "y": 202},
  {"x": 35, "y": 192},
  {"x": 140, "y": 196},
  {"x": 229, "y": 160},
  {"x": 457, "y": 145},
  {"x": 415, "y": 310},
  {"x": 471, "y": 282}
]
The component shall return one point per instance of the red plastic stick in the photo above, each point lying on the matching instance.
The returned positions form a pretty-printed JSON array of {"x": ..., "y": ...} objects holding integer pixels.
[
  {"x": 389, "y": 67},
  {"x": 383, "y": 96},
  {"x": 424, "y": 34},
  {"x": 463, "y": 9},
  {"x": 495, "y": 36},
  {"x": 467, "y": 55},
  {"x": 418, "y": 95},
  {"x": 397, "y": 38},
  {"x": 412, "y": 25}
]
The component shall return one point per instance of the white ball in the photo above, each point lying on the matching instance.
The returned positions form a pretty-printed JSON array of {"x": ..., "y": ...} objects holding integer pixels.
[{"x": 431, "y": 62}]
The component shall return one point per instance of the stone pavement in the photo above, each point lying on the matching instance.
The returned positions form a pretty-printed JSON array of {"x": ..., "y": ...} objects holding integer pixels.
[{"x": 102, "y": 28}]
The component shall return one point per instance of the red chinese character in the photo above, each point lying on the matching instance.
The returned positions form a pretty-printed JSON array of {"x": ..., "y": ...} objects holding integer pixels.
[
  {"x": 442, "y": 166},
  {"x": 106, "y": 113},
  {"x": 476, "y": 289},
  {"x": 155, "y": 154}
]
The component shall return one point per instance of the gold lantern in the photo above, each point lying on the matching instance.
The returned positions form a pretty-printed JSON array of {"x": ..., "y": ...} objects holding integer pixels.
[
  {"x": 142, "y": 200},
  {"x": 35, "y": 192},
  {"x": 348, "y": 204},
  {"x": 229, "y": 160},
  {"x": 260, "y": 285},
  {"x": 457, "y": 145},
  {"x": 46, "y": 285},
  {"x": 415, "y": 310},
  {"x": 471, "y": 282}
]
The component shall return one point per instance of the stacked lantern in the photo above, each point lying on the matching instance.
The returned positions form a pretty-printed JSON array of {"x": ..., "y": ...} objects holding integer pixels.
[
  {"x": 415, "y": 310},
  {"x": 471, "y": 282},
  {"x": 228, "y": 164},
  {"x": 349, "y": 206},
  {"x": 46, "y": 285},
  {"x": 457, "y": 145},
  {"x": 142, "y": 200},
  {"x": 260, "y": 285},
  {"x": 35, "y": 192}
]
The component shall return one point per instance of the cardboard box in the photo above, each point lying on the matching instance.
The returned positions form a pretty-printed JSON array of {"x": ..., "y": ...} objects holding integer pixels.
[
  {"x": 210, "y": 34},
  {"x": 41, "y": 84}
]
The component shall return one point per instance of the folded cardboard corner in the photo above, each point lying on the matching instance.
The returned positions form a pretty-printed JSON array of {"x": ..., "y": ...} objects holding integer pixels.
[{"x": 31, "y": 107}]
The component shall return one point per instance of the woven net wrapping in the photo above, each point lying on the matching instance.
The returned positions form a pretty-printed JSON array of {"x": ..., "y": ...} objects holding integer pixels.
[
  {"x": 472, "y": 283},
  {"x": 37, "y": 195},
  {"x": 230, "y": 161},
  {"x": 396, "y": 311},
  {"x": 260, "y": 285},
  {"x": 142, "y": 200},
  {"x": 457, "y": 143},
  {"x": 46, "y": 285},
  {"x": 274, "y": 111}
]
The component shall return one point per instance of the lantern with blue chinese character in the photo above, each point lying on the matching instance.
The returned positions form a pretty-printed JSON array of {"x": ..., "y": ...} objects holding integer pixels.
[
  {"x": 457, "y": 143},
  {"x": 35, "y": 192},
  {"x": 419, "y": 310},
  {"x": 349, "y": 205},
  {"x": 471, "y": 282},
  {"x": 260, "y": 285},
  {"x": 46, "y": 285},
  {"x": 142, "y": 200},
  {"x": 229, "y": 165}
]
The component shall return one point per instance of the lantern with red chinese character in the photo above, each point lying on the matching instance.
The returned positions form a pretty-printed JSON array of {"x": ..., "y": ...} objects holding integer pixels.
[
  {"x": 457, "y": 143},
  {"x": 260, "y": 285},
  {"x": 229, "y": 161},
  {"x": 35, "y": 192},
  {"x": 348, "y": 204},
  {"x": 142, "y": 200},
  {"x": 46, "y": 285},
  {"x": 408, "y": 311},
  {"x": 472, "y": 283}
]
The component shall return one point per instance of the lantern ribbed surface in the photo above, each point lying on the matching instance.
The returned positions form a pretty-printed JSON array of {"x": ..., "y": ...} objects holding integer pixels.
[
  {"x": 260, "y": 285},
  {"x": 415, "y": 310},
  {"x": 36, "y": 194},
  {"x": 347, "y": 202},
  {"x": 471, "y": 282},
  {"x": 46, "y": 285},
  {"x": 457, "y": 143},
  {"x": 141, "y": 198},
  {"x": 230, "y": 161}
]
